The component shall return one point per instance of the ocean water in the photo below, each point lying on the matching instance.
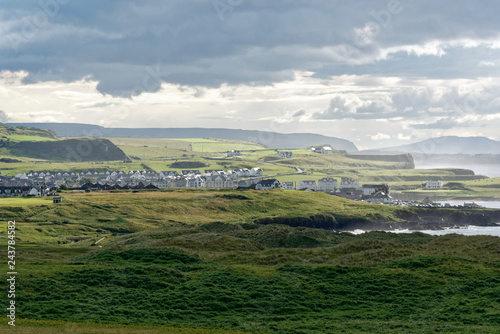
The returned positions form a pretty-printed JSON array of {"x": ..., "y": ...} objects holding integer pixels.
[
  {"x": 470, "y": 230},
  {"x": 486, "y": 204}
]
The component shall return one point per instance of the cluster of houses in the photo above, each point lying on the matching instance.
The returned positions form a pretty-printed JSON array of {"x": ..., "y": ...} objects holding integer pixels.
[
  {"x": 348, "y": 188},
  {"x": 39, "y": 183},
  {"x": 47, "y": 183}
]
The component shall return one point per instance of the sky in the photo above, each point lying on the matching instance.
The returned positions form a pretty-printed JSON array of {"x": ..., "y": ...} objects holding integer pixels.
[{"x": 376, "y": 72}]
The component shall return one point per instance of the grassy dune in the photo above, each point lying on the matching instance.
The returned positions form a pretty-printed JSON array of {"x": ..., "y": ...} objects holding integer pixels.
[
  {"x": 193, "y": 262},
  {"x": 90, "y": 215}
]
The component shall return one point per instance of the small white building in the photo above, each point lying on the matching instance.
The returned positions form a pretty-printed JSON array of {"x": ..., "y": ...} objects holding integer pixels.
[
  {"x": 307, "y": 185},
  {"x": 160, "y": 183},
  {"x": 432, "y": 185},
  {"x": 380, "y": 197},
  {"x": 267, "y": 184},
  {"x": 285, "y": 154},
  {"x": 34, "y": 192},
  {"x": 370, "y": 189},
  {"x": 322, "y": 150},
  {"x": 234, "y": 153},
  {"x": 347, "y": 182},
  {"x": 327, "y": 184},
  {"x": 256, "y": 171},
  {"x": 287, "y": 186},
  {"x": 195, "y": 182},
  {"x": 243, "y": 172},
  {"x": 326, "y": 150}
]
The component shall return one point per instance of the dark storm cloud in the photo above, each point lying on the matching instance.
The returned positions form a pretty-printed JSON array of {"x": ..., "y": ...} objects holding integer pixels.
[{"x": 131, "y": 46}]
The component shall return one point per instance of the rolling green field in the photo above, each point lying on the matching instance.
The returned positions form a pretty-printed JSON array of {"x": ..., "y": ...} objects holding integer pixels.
[
  {"x": 219, "y": 145},
  {"x": 197, "y": 262}
]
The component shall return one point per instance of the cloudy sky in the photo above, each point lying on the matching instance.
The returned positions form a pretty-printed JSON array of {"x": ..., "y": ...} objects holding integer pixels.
[{"x": 377, "y": 73}]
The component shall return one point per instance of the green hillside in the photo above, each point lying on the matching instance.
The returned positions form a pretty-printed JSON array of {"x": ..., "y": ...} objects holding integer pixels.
[
  {"x": 21, "y": 132},
  {"x": 76, "y": 150},
  {"x": 195, "y": 262}
]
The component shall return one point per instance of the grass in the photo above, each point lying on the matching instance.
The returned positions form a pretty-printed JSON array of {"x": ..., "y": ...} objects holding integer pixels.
[
  {"x": 374, "y": 283},
  {"x": 88, "y": 215},
  {"x": 28, "y": 326},
  {"x": 29, "y": 138},
  {"x": 24, "y": 201},
  {"x": 194, "y": 262},
  {"x": 158, "y": 154},
  {"x": 219, "y": 145}
]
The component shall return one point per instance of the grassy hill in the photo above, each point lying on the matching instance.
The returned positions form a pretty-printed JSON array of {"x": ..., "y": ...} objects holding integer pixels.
[
  {"x": 194, "y": 262},
  {"x": 25, "y": 133},
  {"x": 35, "y": 143},
  {"x": 65, "y": 150}
]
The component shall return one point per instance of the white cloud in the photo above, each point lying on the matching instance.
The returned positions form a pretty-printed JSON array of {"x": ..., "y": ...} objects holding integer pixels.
[
  {"x": 380, "y": 136},
  {"x": 487, "y": 64},
  {"x": 403, "y": 137}
]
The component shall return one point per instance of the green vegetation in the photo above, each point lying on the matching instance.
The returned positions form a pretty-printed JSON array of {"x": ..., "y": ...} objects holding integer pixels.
[
  {"x": 188, "y": 164},
  {"x": 25, "y": 133},
  {"x": 29, "y": 326},
  {"x": 227, "y": 261},
  {"x": 29, "y": 138},
  {"x": 219, "y": 145},
  {"x": 89, "y": 215},
  {"x": 200, "y": 153},
  {"x": 65, "y": 150},
  {"x": 198, "y": 261}
]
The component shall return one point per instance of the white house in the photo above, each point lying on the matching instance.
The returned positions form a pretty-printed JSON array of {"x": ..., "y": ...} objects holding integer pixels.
[
  {"x": 195, "y": 182},
  {"x": 380, "y": 197},
  {"x": 326, "y": 150},
  {"x": 244, "y": 172},
  {"x": 218, "y": 181},
  {"x": 433, "y": 185},
  {"x": 178, "y": 183},
  {"x": 327, "y": 184},
  {"x": 267, "y": 184},
  {"x": 256, "y": 171},
  {"x": 233, "y": 153},
  {"x": 322, "y": 150},
  {"x": 287, "y": 186},
  {"x": 160, "y": 183},
  {"x": 370, "y": 189},
  {"x": 285, "y": 154},
  {"x": 347, "y": 182},
  {"x": 307, "y": 185}
]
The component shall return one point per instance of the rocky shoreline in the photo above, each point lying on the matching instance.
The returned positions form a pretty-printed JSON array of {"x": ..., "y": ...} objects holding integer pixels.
[
  {"x": 415, "y": 219},
  {"x": 438, "y": 219}
]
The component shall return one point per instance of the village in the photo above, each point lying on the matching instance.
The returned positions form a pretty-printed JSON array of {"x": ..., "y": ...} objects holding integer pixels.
[{"x": 44, "y": 183}]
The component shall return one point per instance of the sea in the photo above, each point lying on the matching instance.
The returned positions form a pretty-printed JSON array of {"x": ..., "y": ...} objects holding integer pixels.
[
  {"x": 485, "y": 204},
  {"x": 469, "y": 230}
]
